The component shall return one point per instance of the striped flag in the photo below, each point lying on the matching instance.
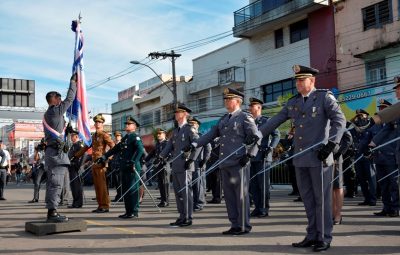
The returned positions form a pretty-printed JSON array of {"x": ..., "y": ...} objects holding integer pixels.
[{"x": 78, "y": 111}]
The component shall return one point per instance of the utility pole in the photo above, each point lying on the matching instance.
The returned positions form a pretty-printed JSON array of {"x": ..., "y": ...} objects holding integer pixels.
[{"x": 173, "y": 56}]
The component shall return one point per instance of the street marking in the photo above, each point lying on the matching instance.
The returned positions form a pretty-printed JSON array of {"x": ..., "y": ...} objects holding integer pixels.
[{"x": 110, "y": 226}]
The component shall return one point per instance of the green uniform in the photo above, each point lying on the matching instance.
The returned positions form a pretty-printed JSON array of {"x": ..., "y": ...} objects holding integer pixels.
[{"x": 130, "y": 150}]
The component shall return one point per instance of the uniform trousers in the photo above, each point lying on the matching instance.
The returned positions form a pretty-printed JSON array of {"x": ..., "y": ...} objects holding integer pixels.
[
  {"x": 54, "y": 185},
  {"x": 366, "y": 177},
  {"x": 3, "y": 178},
  {"x": 317, "y": 202},
  {"x": 100, "y": 186},
  {"x": 231, "y": 185},
  {"x": 36, "y": 182},
  {"x": 163, "y": 184},
  {"x": 130, "y": 187},
  {"x": 76, "y": 186},
  {"x": 389, "y": 187},
  {"x": 199, "y": 192},
  {"x": 184, "y": 198},
  {"x": 259, "y": 185}
]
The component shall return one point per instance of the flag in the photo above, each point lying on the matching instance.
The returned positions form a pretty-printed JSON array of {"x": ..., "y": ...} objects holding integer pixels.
[{"x": 78, "y": 111}]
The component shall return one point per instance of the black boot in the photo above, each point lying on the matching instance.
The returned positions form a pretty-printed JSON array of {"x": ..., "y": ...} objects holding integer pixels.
[{"x": 54, "y": 217}]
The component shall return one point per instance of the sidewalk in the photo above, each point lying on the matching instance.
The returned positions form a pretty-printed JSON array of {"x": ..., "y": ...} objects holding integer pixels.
[{"x": 360, "y": 233}]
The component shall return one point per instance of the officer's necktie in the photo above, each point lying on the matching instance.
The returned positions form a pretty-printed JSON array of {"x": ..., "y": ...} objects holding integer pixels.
[
  {"x": 229, "y": 116},
  {"x": 305, "y": 99}
]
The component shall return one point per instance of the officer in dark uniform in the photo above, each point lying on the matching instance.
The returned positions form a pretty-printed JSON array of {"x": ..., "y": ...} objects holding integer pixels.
[
  {"x": 349, "y": 177},
  {"x": 114, "y": 165},
  {"x": 385, "y": 162},
  {"x": 56, "y": 158},
  {"x": 182, "y": 167},
  {"x": 75, "y": 181},
  {"x": 130, "y": 150},
  {"x": 214, "y": 180},
  {"x": 260, "y": 184},
  {"x": 199, "y": 187},
  {"x": 160, "y": 169},
  {"x": 235, "y": 129},
  {"x": 317, "y": 119},
  {"x": 365, "y": 169}
]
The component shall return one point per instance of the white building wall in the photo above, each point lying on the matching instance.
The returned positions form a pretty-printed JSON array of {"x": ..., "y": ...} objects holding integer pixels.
[
  {"x": 206, "y": 67},
  {"x": 267, "y": 64}
]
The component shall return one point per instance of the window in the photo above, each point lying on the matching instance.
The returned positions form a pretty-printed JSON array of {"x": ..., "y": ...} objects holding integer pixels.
[
  {"x": 232, "y": 74},
  {"x": 278, "y": 38},
  {"x": 376, "y": 15},
  {"x": 375, "y": 70},
  {"x": 299, "y": 31},
  {"x": 273, "y": 90},
  {"x": 157, "y": 117},
  {"x": 203, "y": 104},
  {"x": 146, "y": 118}
]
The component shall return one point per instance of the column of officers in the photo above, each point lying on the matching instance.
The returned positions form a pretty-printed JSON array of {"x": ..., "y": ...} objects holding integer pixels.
[{"x": 238, "y": 152}]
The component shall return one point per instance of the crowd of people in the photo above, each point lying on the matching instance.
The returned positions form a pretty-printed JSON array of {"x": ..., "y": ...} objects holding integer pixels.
[{"x": 326, "y": 157}]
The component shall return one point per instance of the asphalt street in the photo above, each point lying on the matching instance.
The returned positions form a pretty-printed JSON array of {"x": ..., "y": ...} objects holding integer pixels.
[{"x": 360, "y": 233}]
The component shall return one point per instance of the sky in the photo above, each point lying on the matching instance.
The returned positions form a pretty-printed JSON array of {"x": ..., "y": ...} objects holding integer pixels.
[{"x": 37, "y": 43}]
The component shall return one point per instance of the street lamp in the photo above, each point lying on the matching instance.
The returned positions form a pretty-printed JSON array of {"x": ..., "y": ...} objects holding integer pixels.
[{"x": 173, "y": 91}]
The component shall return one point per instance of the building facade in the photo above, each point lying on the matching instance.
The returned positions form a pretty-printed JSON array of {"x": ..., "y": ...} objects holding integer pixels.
[{"x": 368, "y": 57}]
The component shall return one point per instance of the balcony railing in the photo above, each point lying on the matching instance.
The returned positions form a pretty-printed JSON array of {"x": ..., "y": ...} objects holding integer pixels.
[{"x": 256, "y": 9}]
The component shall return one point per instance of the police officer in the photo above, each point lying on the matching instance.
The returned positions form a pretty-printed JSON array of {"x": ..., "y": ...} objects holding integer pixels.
[
  {"x": 338, "y": 194},
  {"x": 182, "y": 167},
  {"x": 56, "y": 158},
  {"x": 114, "y": 166},
  {"x": 214, "y": 180},
  {"x": 260, "y": 184},
  {"x": 390, "y": 113},
  {"x": 385, "y": 162},
  {"x": 235, "y": 129},
  {"x": 199, "y": 187},
  {"x": 130, "y": 150},
  {"x": 39, "y": 169},
  {"x": 365, "y": 169},
  {"x": 75, "y": 180},
  {"x": 160, "y": 169},
  {"x": 100, "y": 141},
  {"x": 317, "y": 118},
  {"x": 4, "y": 170}
]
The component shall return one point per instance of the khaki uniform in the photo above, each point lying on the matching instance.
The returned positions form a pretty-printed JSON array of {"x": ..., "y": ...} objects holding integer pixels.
[{"x": 100, "y": 141}]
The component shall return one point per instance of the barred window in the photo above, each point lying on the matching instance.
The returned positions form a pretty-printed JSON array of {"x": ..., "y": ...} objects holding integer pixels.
[{"x": 377, "y": 15}]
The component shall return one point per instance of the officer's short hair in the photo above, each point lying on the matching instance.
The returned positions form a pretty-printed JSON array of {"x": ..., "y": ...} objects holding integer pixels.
[{"x": 52, "y": 94}]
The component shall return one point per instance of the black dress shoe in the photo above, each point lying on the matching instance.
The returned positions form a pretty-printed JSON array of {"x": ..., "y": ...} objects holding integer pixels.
[
  {"x": 101, "y": 210},
  {"x": 128, "y": 216},
  {"x": 2, "y": 198},
  {"x": 231, "y": 231},
  {"x": 176, "y": 223},
  {"x": 56, "y": 218},
  {"x": 293, "y": 193},
  {"x": 163, "y": 204},
  {"x": 196, "y": 209},
  {"x": 338, "y": 222},
  {"x": 298, "y": 199},
  {"x": 321, "y": 246},
  {"x": 185, "y": 223},
  {"x": 364, "y": 203},
  {"x": 254, "y": 213},
  {"x": 262, "y": 215},
  {"x": 304, "y": 243},
  {"x": 33, "y": 201},
  {"x": 381, "y": 213},
  {"x": 214, "y": 201},
  {"x": 372, "y": 203},
  {"x": 74, "y": 206},
  {"x": 394, "y": 214}
]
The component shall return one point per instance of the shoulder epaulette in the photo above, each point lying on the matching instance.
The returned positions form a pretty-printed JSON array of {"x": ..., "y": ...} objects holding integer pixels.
[{"x": 323, "y": 90}]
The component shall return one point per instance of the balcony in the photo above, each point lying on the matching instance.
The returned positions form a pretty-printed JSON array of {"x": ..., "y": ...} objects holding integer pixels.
[{"x": 265, "y": 15}]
